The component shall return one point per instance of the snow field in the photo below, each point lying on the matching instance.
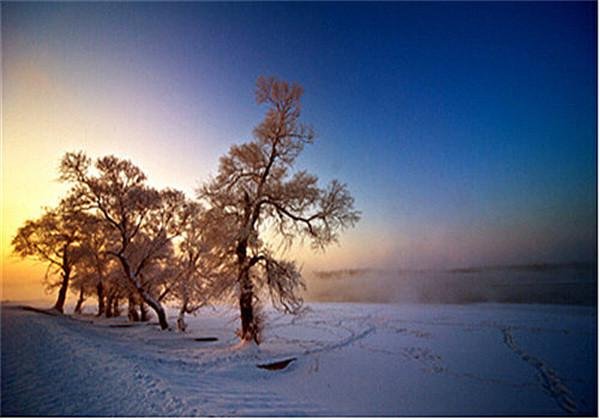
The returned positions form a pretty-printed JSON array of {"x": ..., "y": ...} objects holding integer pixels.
[{"x": 351, "y": 359}]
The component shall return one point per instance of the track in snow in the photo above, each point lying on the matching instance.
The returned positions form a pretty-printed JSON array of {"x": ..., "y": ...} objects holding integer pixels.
[{"x": 550, "y": 380}]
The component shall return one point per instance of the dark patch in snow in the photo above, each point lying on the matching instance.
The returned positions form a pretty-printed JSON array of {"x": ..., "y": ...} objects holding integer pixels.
[
  {"x": 203, "y": 339},
  {"x": 282, "y": 364}
]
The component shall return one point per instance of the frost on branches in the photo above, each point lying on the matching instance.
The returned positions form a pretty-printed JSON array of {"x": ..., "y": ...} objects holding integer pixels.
[
  {"x": 118, "y": 239},
  {"x": 143, "y": 220},
  {"x": 256, "y": 188}
]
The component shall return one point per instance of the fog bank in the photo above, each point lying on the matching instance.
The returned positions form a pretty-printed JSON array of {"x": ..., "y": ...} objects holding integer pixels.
[{"x": 572, "y": 284}]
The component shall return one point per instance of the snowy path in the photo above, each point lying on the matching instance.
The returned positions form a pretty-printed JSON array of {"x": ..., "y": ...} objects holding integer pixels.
[{"x": 352, "y": 359}]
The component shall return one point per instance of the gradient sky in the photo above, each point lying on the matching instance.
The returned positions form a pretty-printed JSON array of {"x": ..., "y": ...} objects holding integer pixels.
[{"x": 466, "y": 131}]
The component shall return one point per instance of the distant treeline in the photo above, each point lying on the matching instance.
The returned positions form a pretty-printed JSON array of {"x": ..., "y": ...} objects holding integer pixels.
[
  {"x": 576, "y": 265},
  {"x": 586, "y": 265}
]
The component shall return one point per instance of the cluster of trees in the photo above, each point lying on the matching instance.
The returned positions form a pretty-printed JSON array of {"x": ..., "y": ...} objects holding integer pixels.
[{"x": 116, "y": 238}]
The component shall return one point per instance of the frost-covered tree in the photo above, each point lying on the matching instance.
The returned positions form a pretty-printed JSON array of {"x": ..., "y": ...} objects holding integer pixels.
[
  {"x": 197, "y": 266},
  {"x": 94, "y": 264},
  {"x": 154, "y": 276},
  {"x": 144, "y": 220},
  {"x": 255, "y": 189},
  {"x": 54, "y": 239},
  {"x": 115, "y": 289}
]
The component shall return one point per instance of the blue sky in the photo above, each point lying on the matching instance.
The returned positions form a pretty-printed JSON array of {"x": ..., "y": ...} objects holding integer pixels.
[{"x": 466, "y": 131}]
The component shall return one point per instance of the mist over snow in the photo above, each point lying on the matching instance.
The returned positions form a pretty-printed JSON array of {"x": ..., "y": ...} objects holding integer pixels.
[{"x": 571, "y": 284}]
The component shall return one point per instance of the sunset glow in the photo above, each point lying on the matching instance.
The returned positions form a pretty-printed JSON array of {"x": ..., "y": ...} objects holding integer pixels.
[
  {"x": 455, "y": 157},
  {"x": 299, "y": 209}
]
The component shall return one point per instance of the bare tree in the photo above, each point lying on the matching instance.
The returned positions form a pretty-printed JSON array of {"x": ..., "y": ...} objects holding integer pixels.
[
  {"x": 255, "y": 190},
  {"x": 145, "y": 220},
  {"x": 54, "y": 239}
]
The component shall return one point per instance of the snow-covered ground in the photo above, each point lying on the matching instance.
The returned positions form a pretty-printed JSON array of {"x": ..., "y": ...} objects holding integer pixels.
[{"x": 351, "y": 359}]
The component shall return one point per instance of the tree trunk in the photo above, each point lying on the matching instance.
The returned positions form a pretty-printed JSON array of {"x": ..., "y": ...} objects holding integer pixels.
[
  {"x": 132, "y": 312},
  {"x": 79, "y": 302},
  {"x": 116, "y": 311},
  {"x": 100, "y": 292},
  {"x": 250, "y": 328},
  {"x": 62, "y": 293},
  {"x": 144, "y": 315},
  {"x": 153, "y": 303},
  {"x": 109, "y": 305},
  {"x": 181, "y": 325},
  {"x": 157, "y": 307}
]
